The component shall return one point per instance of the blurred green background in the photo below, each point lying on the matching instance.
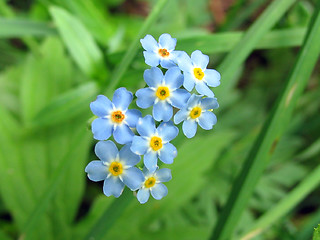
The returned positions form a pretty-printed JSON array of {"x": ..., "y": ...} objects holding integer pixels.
[{"x": 261, "y": 158}]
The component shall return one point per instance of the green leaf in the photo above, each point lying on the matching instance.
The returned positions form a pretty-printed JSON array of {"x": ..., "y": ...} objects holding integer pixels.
[
  {"x": 316, "y": 233},
  {"x": 80, "y": 43},
  {"x": 274, "y": 127}
]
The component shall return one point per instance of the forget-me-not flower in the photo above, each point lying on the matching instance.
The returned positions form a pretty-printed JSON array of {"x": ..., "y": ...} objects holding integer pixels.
[
  {"x": 115, "y": 168},
  {"x": 197, "y": 111},
  {"x": 154, "y": 142},
  {"x": 114, "y": 117},
  {"x": 153, "y": 184},
  {"x": 159, "y": 53},
  {"x": 163, "y": 92},
  {"x": 196, "y": 73}
]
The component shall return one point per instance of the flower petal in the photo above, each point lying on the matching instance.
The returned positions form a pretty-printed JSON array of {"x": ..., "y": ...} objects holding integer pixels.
[
  {"x": 113, "y": 186},
  {"x": 179, "y": 98},
  {"x": 102, "y": 106},
  {"x": 133, "y": 178},
  {"x": 207, "y": 120},
  {"x": 180, "y": 116},
  {"x": 145, "y": 97},
  {"x": 96, "y": 171},
  {"x": 127, "y": 156},
  {"x": 194, "y": 100},
  {"x": 212, "y": 77},
  {"x": 167, "y": 42},
  {"x": 123, "y": 134},
  {"x": 202, "y": 88},
  {"x": 162, "y": 111},
  {"x": 101, "y": 128},
  {"x": 199, "y": 59},
  {"x": 168, "y": 153},
  {"x": 209, "y": 103},
  {"x": 146, "y": 126},
  {"x": 106, "y": 151},
  {"x": 159, "y": 191},
  {"x": 167, "y": 131},
  {"x": 122, "y": 98},
  {"x": 139, "y": 145},
  {"x": 167, "y": 63},
  {"x": 132, "y": 117},
  {"x": 153, "y": 77},
  {"x": 173, "y": 78},
  {"x": 163, "y": 175},
  {"x": 149, "y": 43},
  {"x": 184, "y": 62},
  {"x": 143, "y": 195},
  {"x": 188, "y": 81},
  {"x": 151, "y": 58},
  {"x": 189, "y": 128},
  {"x": 150, "y": 160}
]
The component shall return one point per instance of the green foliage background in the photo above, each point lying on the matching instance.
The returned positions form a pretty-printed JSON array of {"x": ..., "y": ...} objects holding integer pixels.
[{"x": 256, "y": 175}]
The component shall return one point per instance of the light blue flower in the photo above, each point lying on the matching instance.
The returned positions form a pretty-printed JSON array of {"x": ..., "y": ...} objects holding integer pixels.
[
  {"x": 154, "y": 142},
  {"x": 115, "y": 168},
  {"x": 160, "y": 53},
  {"x": 196, "y": 73},
  {"x": 163, "y": 92},
  {"x": 114, "y": 117},
  {"x": 153, "y": 184},
  {"x": 197, "y": 111}
]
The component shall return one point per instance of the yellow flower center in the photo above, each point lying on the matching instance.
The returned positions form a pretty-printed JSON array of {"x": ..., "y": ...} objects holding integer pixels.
[
  {"x": 163, "y": 92},
  {"x": 198, "y": 73},
  {"x": 156, "y": 143},
  {"x": 116, "y": 168},
  {"x": 163, "y": 52},
  {"x": 117, "y": 116},
  {"x": 150, "y": 182},
  {"x": 195, "y": 112}
]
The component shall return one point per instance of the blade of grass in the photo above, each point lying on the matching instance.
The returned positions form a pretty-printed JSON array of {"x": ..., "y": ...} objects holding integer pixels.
[
  {"x": 286, "y": 204},
  {"x": 271, "y": 132}
]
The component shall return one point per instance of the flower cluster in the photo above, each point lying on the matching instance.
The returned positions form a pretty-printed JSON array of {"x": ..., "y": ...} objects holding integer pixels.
[{"x": 149, "y": 136}]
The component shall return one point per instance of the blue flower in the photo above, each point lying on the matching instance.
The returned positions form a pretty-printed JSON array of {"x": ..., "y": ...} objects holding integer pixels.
[
  {"x": 196, "y": 73},
  {"x": 153, "y": 184},
  {"x": 198, "y": 110},
  {"x": 163, "y": 92},
  {"x": 160, "y": 53},
  {"x": 115, "y": 168},
  {"x": 154, "y": 143},
  {"x": 114, "y": 117}
]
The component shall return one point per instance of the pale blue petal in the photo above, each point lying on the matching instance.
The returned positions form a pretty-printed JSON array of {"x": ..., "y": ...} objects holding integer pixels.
[
  {"x": 132, "y": 117},
  {"x": 180, "y": 116},
  {"x": 163, "y": 175},
  {"x": 150, "y": 161},
  {"x": 167, "y": 131},
  {"x": 199, "y": 59},
  {"x": 139, "y": 145},
  {"x": 167, "y": 153},
  {"x": 173, "y": 78},
  {"x": 167, "y": 42},
  {"x": 149, "y": 43},
  {"x": 123, "y": 134},
  {"x": 101, "y": 107},
  {"x": 143, "y": 195},
  {"x": 207, "y": 120},
  {"x": 153, "y": 77},
  {"x": 188, "y": 81},
  {"x": 101, "y": 128},
  {"x": 175, "y": 55},
  {"x": 145, "y": 97},
  {"x": 194, "y": 100},
  {"x": 113, "y": 186},
  {"x": 122, "y": 98},
  {"x": 151, "y": 58},
  {"x": 179, "y": 98},
  {"x": 202, "y": 88},
  {"x": 133, "y": 178},
  {"x": 212, "y": 77},
  {"x": 96, "y": 171},
  {"x": 209, "y": 103},
  {"x": 146, "y": 126},
  {"x": 159, "y": 191},
  {"x": 162, "y": 111},
  {"x": 128, "y": 157},
  {"x": 106, "y": 151},
  {"x": 189, "y": 128},
  {"x": 184, "y": 62},
  {"x": 167, "y": 63}
]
